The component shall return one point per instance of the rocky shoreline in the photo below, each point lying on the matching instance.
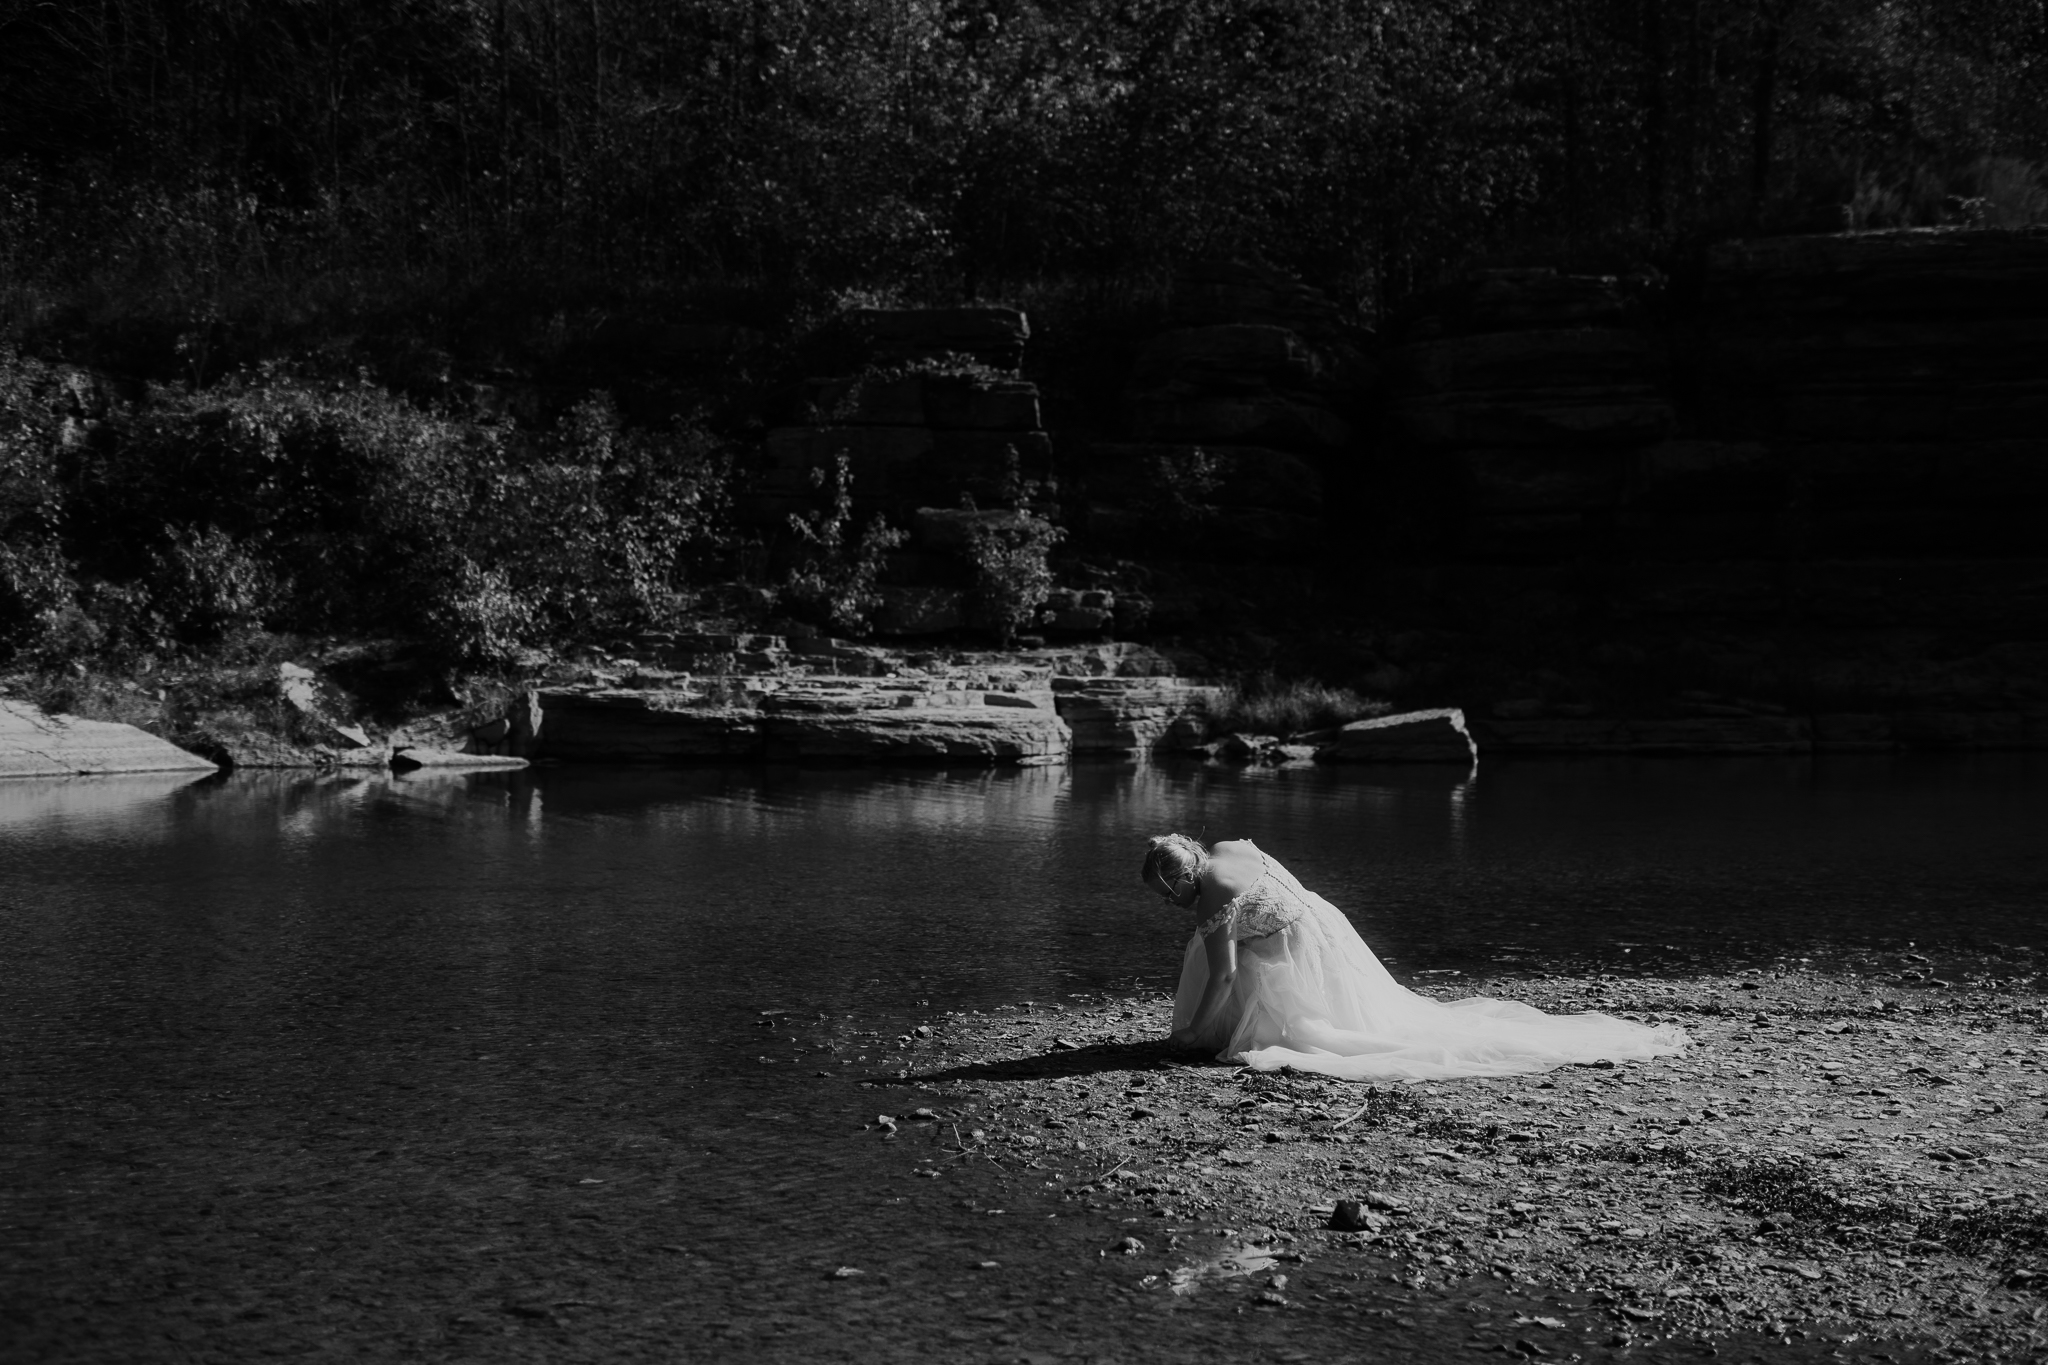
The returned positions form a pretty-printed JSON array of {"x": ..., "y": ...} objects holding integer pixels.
[
  {"x": 1848, "y": 1163},
  {"x": 726, "y": 697}
]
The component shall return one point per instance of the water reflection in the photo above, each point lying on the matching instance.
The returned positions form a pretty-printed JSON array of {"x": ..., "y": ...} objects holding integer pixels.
[{"x": 863, "y": 891}]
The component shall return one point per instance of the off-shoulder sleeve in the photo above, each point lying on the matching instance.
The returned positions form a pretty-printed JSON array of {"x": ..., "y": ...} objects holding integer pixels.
[{"x": 1222, "y": 917}]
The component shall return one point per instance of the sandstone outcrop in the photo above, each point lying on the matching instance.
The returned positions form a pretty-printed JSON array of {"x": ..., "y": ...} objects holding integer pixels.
[
  {"x": 34, "y": 743},
  {"x": 1127, "y": 717},
  {"x": 1821, "y": 485},
  {"x": 854, "y": 725},
  {"x": 1236, "y": 417},
  {"x": 1434, "y": 736},
  {"x": 802, "y": 700}
]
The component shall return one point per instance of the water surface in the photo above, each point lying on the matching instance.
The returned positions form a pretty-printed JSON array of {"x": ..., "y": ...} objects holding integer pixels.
[{"x": 303, "y": 1066}]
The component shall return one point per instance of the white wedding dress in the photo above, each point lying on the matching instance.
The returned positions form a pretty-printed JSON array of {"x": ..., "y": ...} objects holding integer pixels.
[{"x": 1310, "y": 995}]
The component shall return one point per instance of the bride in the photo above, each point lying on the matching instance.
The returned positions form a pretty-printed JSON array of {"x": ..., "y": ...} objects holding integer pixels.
[{"x": 1275, "y": 976}]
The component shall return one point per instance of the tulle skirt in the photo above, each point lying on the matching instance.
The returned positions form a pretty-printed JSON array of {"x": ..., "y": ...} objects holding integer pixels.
[{"x": 1315, "y": 998}]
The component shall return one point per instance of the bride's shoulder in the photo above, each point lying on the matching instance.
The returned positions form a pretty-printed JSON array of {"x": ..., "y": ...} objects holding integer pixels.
[{"x": 1235, "y": 866}]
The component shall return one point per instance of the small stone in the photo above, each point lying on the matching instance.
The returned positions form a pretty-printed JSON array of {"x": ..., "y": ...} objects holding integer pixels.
[
  {"x": 1350, "y": 1215},
  {"x": 845, "y": 1272},
  {"x": 1128, "y": 1246},
  {"x": 1380, "y": 1199}
]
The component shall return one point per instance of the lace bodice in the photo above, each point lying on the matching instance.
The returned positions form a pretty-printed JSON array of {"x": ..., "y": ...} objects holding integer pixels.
[{"x": 1267, "y": 908}]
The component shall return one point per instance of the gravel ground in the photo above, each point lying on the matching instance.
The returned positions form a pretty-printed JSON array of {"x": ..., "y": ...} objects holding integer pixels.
[
  {"x": 1848, "y": 1164},
  {"x": 1845, "y": 1168}
]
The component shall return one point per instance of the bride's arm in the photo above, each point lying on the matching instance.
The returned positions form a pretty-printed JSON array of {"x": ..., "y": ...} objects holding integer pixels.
[{"x": 1219, "y": 949}]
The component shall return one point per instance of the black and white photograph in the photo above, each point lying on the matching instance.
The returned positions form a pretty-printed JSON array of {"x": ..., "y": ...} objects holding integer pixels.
[{"x": 1023, "y": 682}]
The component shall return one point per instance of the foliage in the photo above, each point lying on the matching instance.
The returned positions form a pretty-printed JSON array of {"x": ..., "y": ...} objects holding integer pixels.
[
  {"x": 1266, "y": 706},
  {"x": 36, "y": 587},
  {"x": 833, "y": 585},
  {"x": 185, "y": 156},
  {"x": 276, "y": 501},
  {"x": 597, "y": 526},
  {"x": 209, "y": 585},
  {"x": 1012, "y": 578}
]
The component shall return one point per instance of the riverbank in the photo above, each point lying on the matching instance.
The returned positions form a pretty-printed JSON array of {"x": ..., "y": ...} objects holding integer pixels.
[{"x": 1848, "y": 1162}]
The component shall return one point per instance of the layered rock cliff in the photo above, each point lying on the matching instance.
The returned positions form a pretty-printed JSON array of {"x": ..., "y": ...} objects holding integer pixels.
[{"x": 1800, "y": 510}]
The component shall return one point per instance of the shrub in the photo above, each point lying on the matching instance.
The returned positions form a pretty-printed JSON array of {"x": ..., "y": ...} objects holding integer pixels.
[
  {"x": 275, "y": 500},
  {"x": 1012, "y": 577},
  {"x": 470, "y": 613},
  {"x": 1266, "y": 707},
  {"x": 37, "y": 589},
  {"x": 206, "y": 586},
  {"x": 596, "y": 525},
  {"x": 833, "y": 585}
]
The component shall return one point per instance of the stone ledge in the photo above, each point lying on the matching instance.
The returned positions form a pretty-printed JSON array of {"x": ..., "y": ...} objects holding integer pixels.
[{"x": 34, "y": 743}]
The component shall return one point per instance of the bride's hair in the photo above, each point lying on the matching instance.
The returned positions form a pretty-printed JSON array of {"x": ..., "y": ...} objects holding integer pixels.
[{"x": 1174, "y": 858}]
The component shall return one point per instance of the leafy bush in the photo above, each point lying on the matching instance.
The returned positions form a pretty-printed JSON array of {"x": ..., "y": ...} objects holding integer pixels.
[
  {"x": 206, "y": 585},
  {"x": 1012, "y": 577},
  {"x": 596, "y": 526},
  {"x": 1266, "y": 707},
  {"x": 278, "y": 501},
  {"x": 37, "y": 589},
  {"x": 833, "y": 585}
]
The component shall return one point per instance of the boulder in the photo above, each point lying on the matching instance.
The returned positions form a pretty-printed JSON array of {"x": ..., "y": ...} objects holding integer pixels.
[
  {"x": 34, "y": 743},
  {"x": 1435, "y": 736},
  {"x": 406, "y": 759},
  {"x": 1128, "y": 716},
  {"x": 1077, "y": 611}
]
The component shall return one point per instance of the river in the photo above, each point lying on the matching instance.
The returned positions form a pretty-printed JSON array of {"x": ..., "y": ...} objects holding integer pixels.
[{"x": 426, "y": 1067}]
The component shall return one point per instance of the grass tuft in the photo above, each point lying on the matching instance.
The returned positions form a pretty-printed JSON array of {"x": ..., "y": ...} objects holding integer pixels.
[{"x": 1290, "y": 708}]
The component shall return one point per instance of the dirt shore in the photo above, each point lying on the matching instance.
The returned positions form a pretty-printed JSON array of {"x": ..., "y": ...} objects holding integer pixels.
[{"x": 1848, "y": 1164}]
